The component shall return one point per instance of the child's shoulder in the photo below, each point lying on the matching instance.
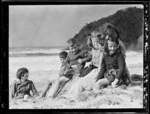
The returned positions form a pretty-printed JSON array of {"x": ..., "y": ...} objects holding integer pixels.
[
  {"x": 30, "y": 81},
  {"x": 120, "y": 54}
]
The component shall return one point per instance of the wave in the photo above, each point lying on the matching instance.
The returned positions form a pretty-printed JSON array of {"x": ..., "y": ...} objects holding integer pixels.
[
  {"x": 32, "y": 54},
  {"x": 19, "y": 52}
]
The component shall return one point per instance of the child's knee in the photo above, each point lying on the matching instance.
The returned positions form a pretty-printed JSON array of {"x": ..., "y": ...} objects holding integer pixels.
[
  {"x": 61, "y": 80},
  {"x": 98, "y": 85}
]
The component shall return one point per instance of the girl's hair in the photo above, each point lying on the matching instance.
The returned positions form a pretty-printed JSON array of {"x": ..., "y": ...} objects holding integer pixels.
[
  {"x": 21, "y": 72},
  {"x": 63, "y": 54},
  {"x": 110, "y": 29},
  {"x": 96, "y": 33},
  {"x": 112, "y": 39}
]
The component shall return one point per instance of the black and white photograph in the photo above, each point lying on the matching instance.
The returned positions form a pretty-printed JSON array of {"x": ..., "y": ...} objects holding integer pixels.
[{"x": 87, "y": 56}]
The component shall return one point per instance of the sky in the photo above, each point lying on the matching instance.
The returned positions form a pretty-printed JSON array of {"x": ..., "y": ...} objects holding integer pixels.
[{"x": 53, "y": 25}]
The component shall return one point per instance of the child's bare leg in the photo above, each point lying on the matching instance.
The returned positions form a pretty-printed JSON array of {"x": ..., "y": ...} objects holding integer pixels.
[
  {"x": 100, "y": 84},
  {"x": 57, "y": 86},
  {"x": 97, "y": 85},
  {"x": 46, "y": 88}
]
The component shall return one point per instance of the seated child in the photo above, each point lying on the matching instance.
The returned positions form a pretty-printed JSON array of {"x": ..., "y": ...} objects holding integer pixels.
[
  {"x": 23, "y": 88},
  {"x": 76, "y": 59},
  {"x": 112, "y": 66},
  {"x": 110, "y": 29},
  {"x": 65, "y": 74}
]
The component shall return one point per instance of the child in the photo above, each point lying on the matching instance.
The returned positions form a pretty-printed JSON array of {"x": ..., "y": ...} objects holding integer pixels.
[
  {"x": 76, "y": 59},
  {"x": 23, "y": 88},
  {"x": 95, "y": 41},
  {"x": 65, "y": 74},
  {"x": 113, "y": 65},
  {"x": 87, "y": 82},
  {"x": 112, "y": 30}
]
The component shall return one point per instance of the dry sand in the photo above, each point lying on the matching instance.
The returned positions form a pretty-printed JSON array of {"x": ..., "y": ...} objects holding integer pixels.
[
  {"x": 43, "y": 68},
  {"x": 121, "y": 97}
]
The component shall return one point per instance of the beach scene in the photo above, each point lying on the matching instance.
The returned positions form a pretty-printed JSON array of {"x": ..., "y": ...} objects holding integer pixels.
[
  {"x": 40, "y": 55},
  {"x": 43, "y": 64}
]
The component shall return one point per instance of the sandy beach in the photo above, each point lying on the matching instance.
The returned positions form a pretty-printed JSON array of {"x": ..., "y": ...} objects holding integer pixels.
[{"x": 43, "y": 68}]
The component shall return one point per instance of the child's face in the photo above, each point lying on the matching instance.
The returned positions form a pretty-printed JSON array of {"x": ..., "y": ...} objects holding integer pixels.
[
  {"x": 25, "y": 77},
  {"x": 62, "y": 60},
  {"x": 95, "y": 42},
  {"x": 73, "y": 47},
  {"x": 112, "y": 47}
]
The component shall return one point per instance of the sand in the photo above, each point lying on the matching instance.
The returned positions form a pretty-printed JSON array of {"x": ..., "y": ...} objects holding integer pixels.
[
  {"x": 43, "y": 68},
  {"x": 130, "y": 97}
]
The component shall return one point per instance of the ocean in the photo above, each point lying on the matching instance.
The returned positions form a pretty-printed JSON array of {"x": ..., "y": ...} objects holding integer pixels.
[{"x": 41, "y": 51}]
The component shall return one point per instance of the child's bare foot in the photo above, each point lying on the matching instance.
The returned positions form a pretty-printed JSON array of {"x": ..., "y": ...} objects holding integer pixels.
[{"x": 39, "y": 97}]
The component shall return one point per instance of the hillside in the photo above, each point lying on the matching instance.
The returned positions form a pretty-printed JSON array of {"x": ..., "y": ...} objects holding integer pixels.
[{"x": 129, "y": 22}]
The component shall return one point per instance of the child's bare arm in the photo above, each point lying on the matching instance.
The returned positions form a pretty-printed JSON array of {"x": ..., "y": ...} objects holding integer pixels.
[
  {"x": 34, "y": 89},
  {"x": 87, "y": 57},
  {"x": 121, "y": 64}
]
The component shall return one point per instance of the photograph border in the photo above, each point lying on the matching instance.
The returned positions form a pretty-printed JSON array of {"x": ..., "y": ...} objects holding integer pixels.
[{"x": 5, "y": 56}]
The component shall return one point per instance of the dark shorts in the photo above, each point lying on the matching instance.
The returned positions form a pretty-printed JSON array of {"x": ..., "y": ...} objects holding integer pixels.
[
  {"x": 87, "y": 70},
  {"x": 69, "y": 73}
]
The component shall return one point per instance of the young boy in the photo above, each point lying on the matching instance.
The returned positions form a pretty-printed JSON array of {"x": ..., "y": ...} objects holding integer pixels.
[
  {"x": 65, "y": 74},
  {"x": 75, "y": 60},
  {"x": 23, "y": 88}
]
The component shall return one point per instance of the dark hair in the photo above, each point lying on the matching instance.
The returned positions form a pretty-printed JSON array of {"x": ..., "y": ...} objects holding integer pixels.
[
  {"x": 63, "y": 54},
  {"x": 110, "y": 29},
  {"x": 113, "y": 39},
  {"x": 21, "y": 72},
  {"x": 72, "y": 40}
]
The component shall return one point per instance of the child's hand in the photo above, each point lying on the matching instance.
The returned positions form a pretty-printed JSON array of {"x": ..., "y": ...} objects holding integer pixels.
[
  {"x": 74, "y": 66},
  {"x": 114, "y": 83},
  {"x": 80, "y": 61}
]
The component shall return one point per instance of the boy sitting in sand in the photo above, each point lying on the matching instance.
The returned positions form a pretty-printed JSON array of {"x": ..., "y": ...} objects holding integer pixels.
[
  {"x": 65, "y": 74},
  {"x": 75, "y": 60},
  {"x": 23, "y": 88}
]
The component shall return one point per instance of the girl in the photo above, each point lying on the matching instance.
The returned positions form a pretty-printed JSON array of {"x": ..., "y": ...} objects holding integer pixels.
[
  {"x": 110, "y": 29},
  {"x": 23, "y": 88},
  {"x": 113, "y": 65},
  {"x": 87, "y": 82}
]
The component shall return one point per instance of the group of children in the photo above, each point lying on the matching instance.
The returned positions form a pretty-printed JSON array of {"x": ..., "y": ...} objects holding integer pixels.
[{"x": 107, "y": 67}]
